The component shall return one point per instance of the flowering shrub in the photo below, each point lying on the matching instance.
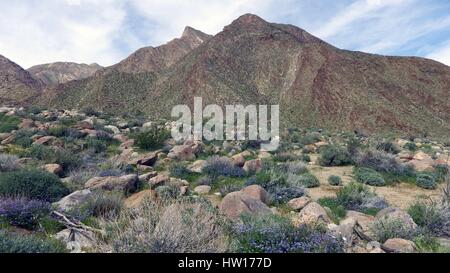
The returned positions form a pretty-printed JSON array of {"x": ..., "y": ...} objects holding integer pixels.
[
  {"x": 220, "y": 166},
  {"x": 276, "y": 234},
  {"x": 21, "y": 212},
  {"x": 10, "y": 243}
]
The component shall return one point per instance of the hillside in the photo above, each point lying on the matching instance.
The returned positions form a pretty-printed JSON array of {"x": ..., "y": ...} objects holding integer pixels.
[{"x": 62, "y": 72}]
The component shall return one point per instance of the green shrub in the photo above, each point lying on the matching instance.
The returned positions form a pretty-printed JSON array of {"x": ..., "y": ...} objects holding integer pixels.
[
  {"x": 68, "y": 160},
  {"x": 411, "y": 146},
  {"x": 306, "y": 158},
  {"x": 359, "y": 197},
  {"x": 334, "y": 156},
  {"x": 8, "y": 123},
  {"x": 369, "y": 177},
  {"x": 8, "y": 163},
  {"x": 388, "y": 147},
  {"x": 95, "y": 145},
  {"x": 10, "y": 243},
  {"x": 387, "y": 228},
  {"x": 308, "y": 180},
  {"x": 338, "y": 211},
  {"x": 107, "y": 206},
  {"x": 23, "y": 138},
  {"x": 426, "y": 181},
  {"x": 151, "y": 139},
  {"x": 33, "y": 184},
  {"x": 334, "y": 180},
  {"x": 433, "y": 218}
]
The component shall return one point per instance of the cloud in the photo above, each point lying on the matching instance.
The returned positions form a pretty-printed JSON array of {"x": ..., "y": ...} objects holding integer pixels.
[{"x": 441, "y": 54}]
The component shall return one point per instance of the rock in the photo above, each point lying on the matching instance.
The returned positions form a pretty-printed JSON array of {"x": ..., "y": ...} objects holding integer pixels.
[
  {"x": 147, "y": 125},
  {"x": 235, "y": 204},
  {"x": 146, "y": 177},
  {"x": 257, "y": 192},
  {"x": 197, "y": 166},
  {"x": 113, "y": 129},
  {"x": 54, "y": 169},
  {"x": 402, "y": 142},
  {"x": 73, "y": 200},
  {"x": 253, "y": 166},
  {"x": 391, "y": 213},
  {"x": 312, "y": 215},
  {"x": 377, "y": 250},
  {"x": 421, "y": 156},
  {"x": 77, "y": 242},
  {"x": 144, "y": 169},
  {"x": 85, "y": 124},
  {"x": 238, "y": 160},
  {"x": 148, "y": 159},
  {"x": 127, "y": 183},
  {"x": 202, "y": 190},
  {"x": 309, "y": 149},
  {"x": 46, "y": 140},
  {"x": 345, "y": 230},
  {"x": 26, "y": 124},
  {"x": 299, "y": 203},
  {"x": 364, "y": 220},
  {"x": 400, "y": 245},
  {"x": 9, "y": 139},
  {"x": 182, "y": 152},
  {"x": 158, "y": 180},
  {"x": 264, "y": 155},
  {"x": 4, "y": 136},
  {"x": 321, "y": 144},
  {"x": 136, "y": 200}
]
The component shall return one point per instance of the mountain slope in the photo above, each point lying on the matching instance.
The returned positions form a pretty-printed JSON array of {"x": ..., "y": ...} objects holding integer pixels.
[
  {"x": 16, "y": 84},
  {"x": 62, "y": 72},
  {"x": 252, "y": 61}
]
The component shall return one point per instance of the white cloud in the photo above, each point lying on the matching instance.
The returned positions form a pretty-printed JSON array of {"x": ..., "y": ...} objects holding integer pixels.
[{"x": 442, "y": 54}]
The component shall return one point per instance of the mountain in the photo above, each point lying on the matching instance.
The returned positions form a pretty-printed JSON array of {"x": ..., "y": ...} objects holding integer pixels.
[
  {"x": 62, "y": 72},
  {"x": 16, "y": 84},
  {"x": 252, "y": 61}
]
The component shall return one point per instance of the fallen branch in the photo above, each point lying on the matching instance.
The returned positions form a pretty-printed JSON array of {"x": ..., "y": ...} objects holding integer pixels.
[
  {"x": 75, "y": 225},
  {"x": 358, "y": 230}
]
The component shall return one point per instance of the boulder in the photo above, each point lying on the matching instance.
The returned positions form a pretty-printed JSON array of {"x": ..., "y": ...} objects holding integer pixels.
[
  {"x": 46, "y": 140},
  {"x": 54, "y": 169},
  {"x": 202, "y": 190},
  {"x": 148, "y": 159},
  {"x": 146, "y": 177},
  {"x": 73, "y": 200},
  {"x": 400, "y": 245},
  {"x": 299, "y": 203},
  {"x": 345, "y": 230},
  {"x": 238, "y": 160},
  {"x": 391, "y": 213},
  {"x": 253, "y": 166},
  {"x": 113, "y": 129},
  {"x": 182, "y": 152},
  {"x": 312, "y": 215},
  {"x": 4, "y": 136},
  {"x": 127, "y": 183},
  {"x": 257, "y": 192},
  {"x": 8, "y": 139},
  {"x": 235, "y": 204},
  {"x": 363, "y": 220},
  {"x": 26, "y": 124},
  {"x": 158, "y": 180},
  {"x": 197, "y": 166},
  {"x": 136, "y": 200}
]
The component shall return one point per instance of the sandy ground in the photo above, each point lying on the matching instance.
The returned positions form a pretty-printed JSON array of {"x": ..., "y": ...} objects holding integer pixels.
[{"x": 401, "y": 195}]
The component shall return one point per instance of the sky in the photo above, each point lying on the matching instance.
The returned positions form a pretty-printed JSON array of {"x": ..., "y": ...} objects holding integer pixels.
[{"x": 107, "y": 31}]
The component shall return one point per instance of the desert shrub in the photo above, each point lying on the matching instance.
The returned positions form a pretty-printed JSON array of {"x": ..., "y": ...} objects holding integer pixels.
[
  {"x": 184, "y": 226},
  {"x": 310, "y": 138},
  {"x": 387, "y": 228},
  {"x": 8, "y": 123},
  {"x": 229, "y": 188},
  {"x": 180, "y": 170},
  {"x": 283, "y": 193},
  {"x": 11, "y": 243},
  {"x": 90, "y": 111},
  {"x": 434, "y": 218},
  {"x": 388, "y": 147},
  {"x": 21, "y": 212},
  {"x": 292, "y": 167},
  {"x": 8, "y": 163},
  {"x": 205, "y": 181},
  {"x": 359, "y": 197},
  {"x": 222, "y": 166},
  {"x": 306, "y": 158},
  {"x": 105, "y": 205},
  {"x": 152, "y": 138},
  {"x": 276, "y": 234},
  {"x": 95, "y": 145},
  {"x": 33, "y": 184},
  {"x": 411, "y": 146},
  {"x": 337, "y": 210},
  {"x": 77, "y": 178},
  {"x": 383, "y": 162},
  {"x": 333, "y": 155},
  {"x": 369, "y": 177},
  {"x": 284, "y": 157},
  {"x": 308, "y": 180},
  {"x": 426, "y": 181},
  {"x": 334, "y": 180},
  {"x": 168, "y": 192},
  {"x": 441, "y": 172},
  {"x": 50, "y": 155},
  {"x": 23, "y": 138}
]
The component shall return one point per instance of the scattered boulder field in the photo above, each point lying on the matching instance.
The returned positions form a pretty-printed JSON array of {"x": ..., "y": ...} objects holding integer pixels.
[{"x": 107, "y": 180}]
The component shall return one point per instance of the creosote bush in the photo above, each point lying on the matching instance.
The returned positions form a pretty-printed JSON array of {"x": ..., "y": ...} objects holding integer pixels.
[
  {"x": 33, "y": 184},
  {"x": 369, "y": 177},
  {"x": 333, "y": 155},
  {"x": 359, "y": 197},
  {"x": 426, "y": 181},
  {"x": 387, "y": 228},
  {"x": 433, "y": 218},
  {"x": 152, "y": 138}
]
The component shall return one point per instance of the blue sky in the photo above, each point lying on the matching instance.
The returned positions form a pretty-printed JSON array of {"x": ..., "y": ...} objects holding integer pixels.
[{"x": 106, "y": 31}]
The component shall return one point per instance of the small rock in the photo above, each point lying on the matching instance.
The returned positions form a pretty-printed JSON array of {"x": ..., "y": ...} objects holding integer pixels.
[
  {"x": 258, "y": 193},
  {"x": 299, "y": 203},
  {"x": 202, "y": 190},
  {"x": 54, "y": 169},
  {"x": 401, "y": 245},
  {"x": 182, "y": 152},
  {"x": 73, "y": 200},
  {"x": 311, "y": 215},
  {"x": 197, "y": 166},
  {"x": 253, "y": 166},
  {"x": 158, "y": 180},
  {"x": 235, "y": 204}
]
